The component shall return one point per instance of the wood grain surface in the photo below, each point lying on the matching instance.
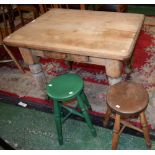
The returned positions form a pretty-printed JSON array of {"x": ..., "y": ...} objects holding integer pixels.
[{"x": 83, "y": 32}]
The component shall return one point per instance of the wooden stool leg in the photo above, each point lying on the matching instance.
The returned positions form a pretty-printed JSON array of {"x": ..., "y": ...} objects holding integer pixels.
[
  {"x": 85, "y": 100},
  {"x": 145, "y": 129},
  {"x": 57, "y": 116},
  {"x": 86, "y": 116},
  {"x": 116, "y": 130},
  {"x": 107, "y": 117},
  {"x": 14, "y": 59}
]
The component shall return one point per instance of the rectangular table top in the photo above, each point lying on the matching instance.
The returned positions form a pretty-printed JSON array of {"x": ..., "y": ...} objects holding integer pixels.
[{"x": 83, "y": 32}]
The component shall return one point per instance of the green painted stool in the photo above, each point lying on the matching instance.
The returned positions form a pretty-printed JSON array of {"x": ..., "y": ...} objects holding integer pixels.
[{"x": 64, "y": 88}]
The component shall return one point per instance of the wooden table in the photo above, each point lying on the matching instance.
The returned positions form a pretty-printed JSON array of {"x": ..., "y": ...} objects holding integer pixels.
[{"x": 94, "y": 37}]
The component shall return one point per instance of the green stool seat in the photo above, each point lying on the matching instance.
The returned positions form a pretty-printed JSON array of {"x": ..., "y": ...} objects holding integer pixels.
[{"x": 64, "y": 88}]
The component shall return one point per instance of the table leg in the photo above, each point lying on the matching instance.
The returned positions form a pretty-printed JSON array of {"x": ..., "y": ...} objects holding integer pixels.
[
  {"x": 113, "y": 71},
  {"x": 35, "y": 68},
  {"x": 38, "y": 75}
]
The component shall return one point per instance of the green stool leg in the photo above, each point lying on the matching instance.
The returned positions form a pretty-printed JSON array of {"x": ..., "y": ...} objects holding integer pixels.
[
  {"x": 86, "y": 115},
  {"x": 57, "y": 116},
  {"x": 85, "y": 100}
]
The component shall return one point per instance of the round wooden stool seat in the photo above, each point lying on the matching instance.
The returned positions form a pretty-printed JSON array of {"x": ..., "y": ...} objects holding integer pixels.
[{"x": 127, "y": 98}]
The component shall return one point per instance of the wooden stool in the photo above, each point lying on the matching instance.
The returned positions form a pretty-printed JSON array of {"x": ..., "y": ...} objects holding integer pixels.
[
  {"x": 127, "y": 99},
  {"x": 64, "y": 88}
]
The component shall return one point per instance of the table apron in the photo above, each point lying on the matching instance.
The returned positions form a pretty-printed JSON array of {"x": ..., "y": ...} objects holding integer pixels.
[{"x": 113, "y": 67}]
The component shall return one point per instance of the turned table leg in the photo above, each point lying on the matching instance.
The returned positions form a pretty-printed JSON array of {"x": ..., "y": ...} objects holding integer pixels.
[
  {"x": 38, "y": 75},
  {"x": 114, "y": 71},
  {"x": 35, "y": 68}
]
